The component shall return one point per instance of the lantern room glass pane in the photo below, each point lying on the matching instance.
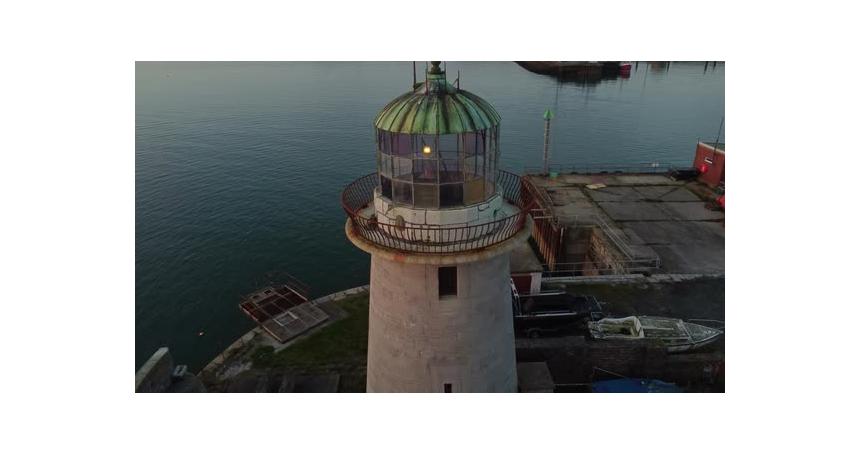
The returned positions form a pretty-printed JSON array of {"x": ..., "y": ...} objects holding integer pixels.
[
  {"x": 426, "y": 196},
  {"x": 451, "y": 195},
  {"x": 401, "y": 145},
  {"x": 471, "y": 144},
  {"x": 425, "y": 140},
  {"x": 385, "y": 164},
  {"x": 402, "y": 168},
  {"x": 448, "y": 143},
  {"x": 424, "y": 171},
  {"x": 474, "y": 167},
  {"x": 382, "y": 144},
  {"x": 473, "y": 191},
  {"x": 385, "y": 186},
  {"x": 450, "y": 171},
  {"x": 403, "y": 192}
]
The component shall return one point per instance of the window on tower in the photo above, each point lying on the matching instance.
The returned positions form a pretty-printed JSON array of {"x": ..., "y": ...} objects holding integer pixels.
[{"x": 447, "y": 281}]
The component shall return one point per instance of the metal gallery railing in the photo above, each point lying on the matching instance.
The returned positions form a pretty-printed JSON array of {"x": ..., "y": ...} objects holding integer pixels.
[{"x": 358, "y": 196}]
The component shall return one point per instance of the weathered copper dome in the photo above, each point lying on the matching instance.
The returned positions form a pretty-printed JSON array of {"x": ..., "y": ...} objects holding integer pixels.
[{"x": 437, "y": 107}]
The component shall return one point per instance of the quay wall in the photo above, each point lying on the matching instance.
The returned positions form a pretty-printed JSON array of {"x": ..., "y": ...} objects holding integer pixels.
[{"x": 155, "y": 374}]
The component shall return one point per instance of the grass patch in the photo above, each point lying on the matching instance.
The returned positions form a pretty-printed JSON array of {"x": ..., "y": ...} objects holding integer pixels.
[
  {"x": 341, "y": 346},
  {"x": 263, "y": 356}
]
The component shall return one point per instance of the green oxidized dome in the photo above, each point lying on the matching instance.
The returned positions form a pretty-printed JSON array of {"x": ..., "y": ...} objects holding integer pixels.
[{"x": 437, "y": 107}]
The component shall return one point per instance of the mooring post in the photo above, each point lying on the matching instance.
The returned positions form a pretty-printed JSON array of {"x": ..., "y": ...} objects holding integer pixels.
[{"x": 547, "y": 116}]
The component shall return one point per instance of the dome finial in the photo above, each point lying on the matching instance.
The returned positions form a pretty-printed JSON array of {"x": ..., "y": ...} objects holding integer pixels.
[{"x": 434, "y": 68}]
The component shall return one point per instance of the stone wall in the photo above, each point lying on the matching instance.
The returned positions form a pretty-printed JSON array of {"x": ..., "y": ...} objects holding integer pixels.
[
  {"x": 604, "y": 255},
  {"x": 418, "y": 342}
]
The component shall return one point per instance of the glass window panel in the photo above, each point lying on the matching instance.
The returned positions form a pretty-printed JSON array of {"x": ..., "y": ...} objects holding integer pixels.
[
  {"x": 470, "y": 143},
  {"x": 450, "y": 171},
  {"x": 403, "y": 192},
  {"x": 426, "y": 140},
  {"x": 449, "y": 155},
  {"x": 448, "y": 143},
  {"x": 473, "y": 191},
  {"x": 426, "y": 196},
  {"x": 451, "y": 195},
  {"x": 402, "y": 169},
  {"x": 424, "y": 171},
  {"x": 489, "y": 189},
  {"x": 489, "y": 163},
  {"x": 474, "y": 167},
  {"x": 385, "y": 164},
  {"x": 401, "y": 145},
  {"x": 385, "y": 185}
]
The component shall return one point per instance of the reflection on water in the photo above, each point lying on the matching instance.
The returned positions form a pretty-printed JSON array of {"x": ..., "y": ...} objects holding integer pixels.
[{"x": 239, "y": 168}]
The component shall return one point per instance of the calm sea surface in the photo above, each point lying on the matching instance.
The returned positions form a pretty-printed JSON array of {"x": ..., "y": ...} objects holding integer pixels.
[{"x": 239, "y": 168}]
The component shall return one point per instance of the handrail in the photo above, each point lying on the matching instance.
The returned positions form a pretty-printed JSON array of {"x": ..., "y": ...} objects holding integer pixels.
[{"x": 435, "y": 239}]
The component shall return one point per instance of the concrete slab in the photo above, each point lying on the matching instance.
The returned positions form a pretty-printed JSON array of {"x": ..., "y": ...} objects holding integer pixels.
[
  {"x": 615, "y": 194},
  {"x": 690, "y": 211},
  {"x": 684, "y": 247},
  {"x": 634, "y": 211},
  {"x": 577, "y": 213},
  {"x": 672, "y": 232},
  {"x": 565, "y": 194},
  {"x": 656, "y": 214},
  {"x": 691, "y": 258},
  {"x": 667, "y": 193},
  {"x": 584, "y": 179},
  {"x": 646, "y": 179}
]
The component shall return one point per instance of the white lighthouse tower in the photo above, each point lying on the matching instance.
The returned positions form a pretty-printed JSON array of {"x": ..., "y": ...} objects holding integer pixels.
[{"x": 439, "y": 221}]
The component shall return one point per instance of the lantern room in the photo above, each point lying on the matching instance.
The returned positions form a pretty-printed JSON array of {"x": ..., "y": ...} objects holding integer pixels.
[{"x": 437, "y": 147}]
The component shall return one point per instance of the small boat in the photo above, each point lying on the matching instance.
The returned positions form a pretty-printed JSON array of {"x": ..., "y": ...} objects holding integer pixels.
[
  {"x": 676, "y": 335},
  {"x": 634, "y": 385}
]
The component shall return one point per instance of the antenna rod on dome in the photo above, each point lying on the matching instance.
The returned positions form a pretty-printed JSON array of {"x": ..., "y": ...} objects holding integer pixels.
[{"x": 414, "y": 77}]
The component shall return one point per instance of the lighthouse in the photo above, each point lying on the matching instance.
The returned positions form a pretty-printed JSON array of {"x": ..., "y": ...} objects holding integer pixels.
[{"x": 439, "y": 220}]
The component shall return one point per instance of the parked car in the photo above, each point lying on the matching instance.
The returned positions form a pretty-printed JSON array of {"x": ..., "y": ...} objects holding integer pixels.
[{"x": 553, "y": 313}]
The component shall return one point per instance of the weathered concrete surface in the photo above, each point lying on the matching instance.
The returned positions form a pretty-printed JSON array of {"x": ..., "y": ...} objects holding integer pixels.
[
  {"x": 685, "y": 247},
  {"x": 155, "y": 374},
  {"x": 633, "y": 211},
  {"x": 418, "y": 342},
  {"x": 667, "y": 193},
  {"x": 652, "y": 214}
]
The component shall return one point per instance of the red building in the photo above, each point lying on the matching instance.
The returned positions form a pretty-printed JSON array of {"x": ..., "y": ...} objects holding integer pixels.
[{"x": 711, "y": 162}]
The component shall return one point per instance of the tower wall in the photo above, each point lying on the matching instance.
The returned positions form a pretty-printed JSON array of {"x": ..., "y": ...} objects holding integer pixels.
[{"x": 418, "y": 342}]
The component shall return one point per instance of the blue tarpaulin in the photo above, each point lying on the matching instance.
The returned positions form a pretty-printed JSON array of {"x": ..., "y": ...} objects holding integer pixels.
[{"x": 634, "y": 385}]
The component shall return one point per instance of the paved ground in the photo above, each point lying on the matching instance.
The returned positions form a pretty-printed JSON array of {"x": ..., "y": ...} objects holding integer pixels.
[{"x": 656, "y": 214}]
